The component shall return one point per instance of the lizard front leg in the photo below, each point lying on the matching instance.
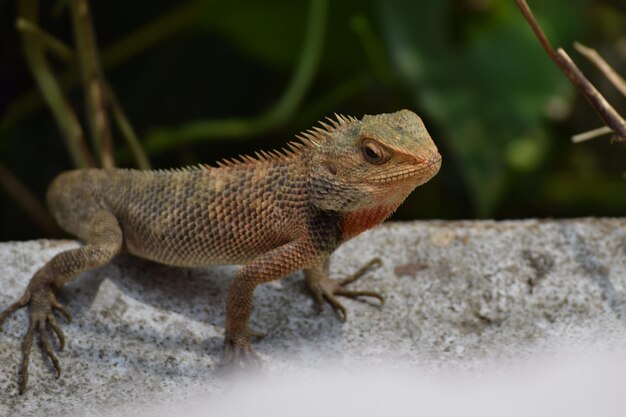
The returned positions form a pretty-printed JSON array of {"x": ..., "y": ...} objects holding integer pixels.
[
  {"x": 104, "y": 241},
  {"x": 270, "y": 266},
  {"x": 324, "y": 288}
]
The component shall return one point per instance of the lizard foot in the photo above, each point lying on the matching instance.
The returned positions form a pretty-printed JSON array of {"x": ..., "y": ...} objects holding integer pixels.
[
  {"x": 239, "y": 354},
  {"x": 325, "y": 289},
  {"x": 42, "y": 302}
]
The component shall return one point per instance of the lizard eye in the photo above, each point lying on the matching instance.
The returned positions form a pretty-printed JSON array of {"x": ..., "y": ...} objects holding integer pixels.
[{"x": 373, "y": 152}]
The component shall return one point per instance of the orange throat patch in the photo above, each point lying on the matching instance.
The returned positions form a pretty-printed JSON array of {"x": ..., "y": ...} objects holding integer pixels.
[{"x": 356, "y": 222}]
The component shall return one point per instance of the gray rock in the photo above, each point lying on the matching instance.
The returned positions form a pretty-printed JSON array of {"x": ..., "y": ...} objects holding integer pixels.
[{"x": 460, "y": 296}]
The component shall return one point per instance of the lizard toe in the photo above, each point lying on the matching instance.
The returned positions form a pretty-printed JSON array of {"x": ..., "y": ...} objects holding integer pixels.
[
  {"x": 240, "y": 356},
  {"x": 46, "y": 346},
  {"x": 21, "y": 303},
  {"x": 373, "y": 263}
]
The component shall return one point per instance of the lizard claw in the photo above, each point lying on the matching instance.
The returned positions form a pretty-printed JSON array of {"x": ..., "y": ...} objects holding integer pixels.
[{"x": 42, "y": 303}]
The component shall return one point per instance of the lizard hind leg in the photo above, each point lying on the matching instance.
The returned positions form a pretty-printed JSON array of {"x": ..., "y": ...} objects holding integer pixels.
[
  {"x": 325, "y": 289},
  {"x": 103, "y": 242}
]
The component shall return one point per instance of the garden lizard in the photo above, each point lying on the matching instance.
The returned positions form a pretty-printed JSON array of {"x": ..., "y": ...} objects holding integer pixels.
[{"x": 274, "y": 213}]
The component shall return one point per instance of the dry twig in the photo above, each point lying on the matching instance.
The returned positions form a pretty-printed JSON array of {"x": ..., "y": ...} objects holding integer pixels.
[
  {"x": 604, "y": 109},
  {"x": 590, "y": 134},
  {"x": 593, "y": 56}
]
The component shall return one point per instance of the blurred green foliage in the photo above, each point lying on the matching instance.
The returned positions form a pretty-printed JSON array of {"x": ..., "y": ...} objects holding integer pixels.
[
  {"x": 483, "y": 79},
  {"x": 499, "y": 109}
]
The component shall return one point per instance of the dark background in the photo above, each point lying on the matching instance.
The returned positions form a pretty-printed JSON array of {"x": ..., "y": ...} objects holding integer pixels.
[{"x": 500, "y": 111}]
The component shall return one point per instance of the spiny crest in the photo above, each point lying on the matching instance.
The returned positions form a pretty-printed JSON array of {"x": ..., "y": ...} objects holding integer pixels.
[
  {"x": 188, "y": 168},
  {"x": 308, "y": 139},
  {"x": 316, "y": 134}
]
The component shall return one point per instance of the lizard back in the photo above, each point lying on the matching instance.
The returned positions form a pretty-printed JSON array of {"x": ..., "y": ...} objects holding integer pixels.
[{"x": 192, "y": 217}]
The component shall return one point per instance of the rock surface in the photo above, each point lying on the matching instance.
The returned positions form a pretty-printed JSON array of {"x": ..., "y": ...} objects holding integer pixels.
[{"x": 461, "y": 296}]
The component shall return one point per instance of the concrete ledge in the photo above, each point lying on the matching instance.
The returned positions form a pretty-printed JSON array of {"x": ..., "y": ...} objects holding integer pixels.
[{"x": 460, "y": 296}]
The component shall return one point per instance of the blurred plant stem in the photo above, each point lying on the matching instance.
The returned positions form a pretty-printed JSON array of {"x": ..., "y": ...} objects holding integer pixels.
[
  {"x": 139, "y": 155},
  {"x": 111, "y": 56},
  {"x": 50, "y": 43},
  {"x": 341, "y": 93},
  {"x": 28, "y": 203},
  {"x": 65, "y": 53},
  {"x": 99, "y": 99},
  {"x": 162, "y": 140},
  {"x": 93, "y": 81},
  {"x": 373, "y": 48},
  {"x": 52, "y": 93}
]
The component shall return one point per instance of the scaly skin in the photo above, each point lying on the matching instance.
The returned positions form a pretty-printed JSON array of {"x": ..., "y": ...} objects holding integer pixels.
[{"x": 274, "y": 214}]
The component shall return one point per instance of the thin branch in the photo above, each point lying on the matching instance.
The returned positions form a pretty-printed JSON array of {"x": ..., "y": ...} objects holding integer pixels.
[
  {"x": 591, "y": 134},
  {"x": 567, "y": 66},
  {"x": 91, "y": 73},
  {"x": 163, "y": 139},
  {"x": 610, "y": 116},
  {"x": 27, "y": 201},
  {"x": 534, "y": 25},
  {"x": 62, "y": 110},
  {"x": 595, "y": 58}
]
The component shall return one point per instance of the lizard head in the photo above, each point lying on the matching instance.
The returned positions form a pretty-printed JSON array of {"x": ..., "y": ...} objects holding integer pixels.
[{"x": 370, "y": 164}]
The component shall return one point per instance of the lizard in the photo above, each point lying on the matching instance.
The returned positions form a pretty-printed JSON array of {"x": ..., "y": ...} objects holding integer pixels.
[{"x": 273, "y": 213}]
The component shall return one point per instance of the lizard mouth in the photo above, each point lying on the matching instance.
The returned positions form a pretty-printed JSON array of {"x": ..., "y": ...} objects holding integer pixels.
[{"x": 426, "y": 171}]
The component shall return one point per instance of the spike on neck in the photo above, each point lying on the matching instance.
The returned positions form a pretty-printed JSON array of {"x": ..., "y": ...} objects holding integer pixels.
[{"x": 308, "y": 139}]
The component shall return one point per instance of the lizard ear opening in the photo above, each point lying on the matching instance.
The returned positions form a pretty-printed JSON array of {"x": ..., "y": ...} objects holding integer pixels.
[{"x": 331, "y": 167}]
